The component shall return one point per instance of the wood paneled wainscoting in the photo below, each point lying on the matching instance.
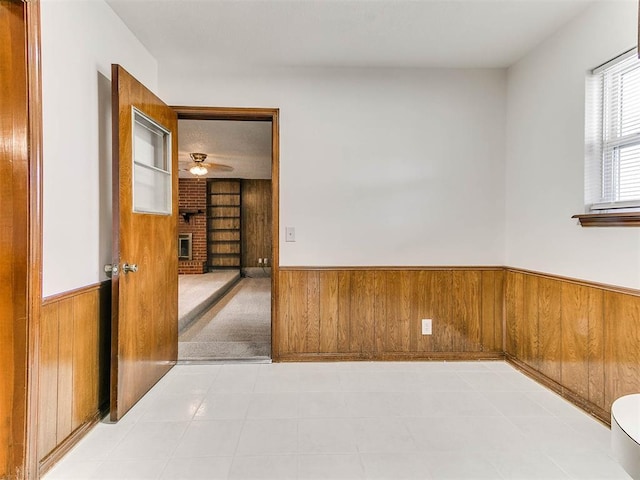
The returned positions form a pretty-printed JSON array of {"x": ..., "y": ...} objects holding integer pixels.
[
  {"x": 580, "y": 339},
  {"x": 74, "y": 368},
  {"x": 376, "y": 313}
]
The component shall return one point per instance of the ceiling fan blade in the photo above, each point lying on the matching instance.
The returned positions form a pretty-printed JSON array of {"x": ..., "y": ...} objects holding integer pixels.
[
  {"x": 186, "y": 156},
  {"x": 218, "y": 167},
  {"x": 213, "y": 167},
  {"x": 198, "y": 160}
]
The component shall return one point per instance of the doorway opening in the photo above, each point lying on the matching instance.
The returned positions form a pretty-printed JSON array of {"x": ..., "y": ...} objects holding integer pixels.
[{"x": 228, "y": 226}]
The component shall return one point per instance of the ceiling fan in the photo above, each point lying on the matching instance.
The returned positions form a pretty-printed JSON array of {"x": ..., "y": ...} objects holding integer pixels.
[{"x": 199, "y": 167}]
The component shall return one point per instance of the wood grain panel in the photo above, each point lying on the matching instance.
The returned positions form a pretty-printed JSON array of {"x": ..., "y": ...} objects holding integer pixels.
[
  {"x": 586, "y": 336},
  {"x": 499, "y": 311},
  {"x": 439, "y": 291},
  {"x": 284, "y": 301},
  {"x": 225, "y": 223},
  {"x": 328, "y": 298},
  {"x": 575, "y": 338},
  {"x": 224, "y": 236},
  {"x": 225, "y": 211},
  {"x": 48, "y": 381},
  {"x": 622, "y": 338},
  {"x": 86, "y": 362},
  {"x": 353, "y": 313},
  {"x": 293, "y": 293},
  {"x": 393, "y": 322},
  {"x": 596, "y": 342},
  {"x": 549, "y": 328},
  {"x": 419, "y": 309},
  {"x": 528, "y": 327},
  {"x": 65, "y": 368},
  {"x": 73, "y": 366},
  {"x": 492, "y": 300},
  {"x": 220, "y": 200},
  {"x": 361, "y": 313},
  {"x": 583, "y": 342},
  {"x": 514, "y": 315},
  {"x": 299, "y": 312},
  {"x": 231, "y": 248},
  {"x": 221, "y": 187},
  {"x": 312, "y": 335},
  {"x": 380, "y": 307},
  {"x": 256, "y": 221},
  {"x": 466, "y": 306},
  {"x": 344, "y": 311}
]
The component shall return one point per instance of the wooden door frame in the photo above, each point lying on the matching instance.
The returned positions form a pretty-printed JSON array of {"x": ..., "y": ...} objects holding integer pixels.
[
  {"x": 34, "y": 279},
  {"x": 255, "y": 115}
]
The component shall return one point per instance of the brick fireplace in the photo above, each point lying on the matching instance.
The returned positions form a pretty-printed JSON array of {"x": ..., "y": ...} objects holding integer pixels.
[{"x": 192, "y": 201}]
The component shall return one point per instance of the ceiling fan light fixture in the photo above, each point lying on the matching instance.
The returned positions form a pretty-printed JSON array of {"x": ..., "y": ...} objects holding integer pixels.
[
  {"x": 198, "y": 170},
  {"x": 198, "y": 157},
  {"x": 199, "y": 167}
]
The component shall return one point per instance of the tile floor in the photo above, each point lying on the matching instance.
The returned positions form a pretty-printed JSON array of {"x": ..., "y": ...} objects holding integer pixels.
[{"x": 432, "y": 420}]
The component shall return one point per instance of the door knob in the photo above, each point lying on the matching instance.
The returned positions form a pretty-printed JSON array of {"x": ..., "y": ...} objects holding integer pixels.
[{"x": 129, "y": 267}]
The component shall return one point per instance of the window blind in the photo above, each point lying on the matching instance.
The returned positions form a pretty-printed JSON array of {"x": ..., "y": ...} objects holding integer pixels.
[{"x": 620, "y": 143}]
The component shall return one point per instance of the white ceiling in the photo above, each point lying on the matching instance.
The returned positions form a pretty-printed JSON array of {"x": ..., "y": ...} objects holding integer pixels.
[
  {"x": 245, "y": 146},
  {"x": 196, "y": 34},
  {"x": 353, "y": 33}
]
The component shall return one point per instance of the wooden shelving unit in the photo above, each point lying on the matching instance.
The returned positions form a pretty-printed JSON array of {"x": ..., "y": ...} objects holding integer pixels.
[{"x": 223, "y": 224}]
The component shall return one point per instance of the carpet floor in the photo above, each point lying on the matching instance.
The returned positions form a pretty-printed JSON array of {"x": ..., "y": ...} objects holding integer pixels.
[
  {"x": 197, "y": 293},
  {"x": 237, "y": 327}
]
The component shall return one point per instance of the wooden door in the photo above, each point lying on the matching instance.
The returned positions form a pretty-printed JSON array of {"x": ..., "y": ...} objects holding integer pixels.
[
  {"x": 14, "y": 237},
  {"x": 145, "y": 208}
]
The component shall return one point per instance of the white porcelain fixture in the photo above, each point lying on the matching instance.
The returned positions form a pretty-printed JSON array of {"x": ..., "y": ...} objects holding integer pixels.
[{"x": 625, "y": 433}]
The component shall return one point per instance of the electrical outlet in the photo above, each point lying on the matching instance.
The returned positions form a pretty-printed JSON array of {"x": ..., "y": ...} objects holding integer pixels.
[
  {"x": 265, "y": 261},
  {"x": 259, "y": 261},
  {"x": 426, "y": 326}
]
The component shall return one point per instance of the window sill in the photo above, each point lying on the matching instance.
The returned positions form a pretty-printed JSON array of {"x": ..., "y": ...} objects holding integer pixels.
[{"x": 626, "y": 219}]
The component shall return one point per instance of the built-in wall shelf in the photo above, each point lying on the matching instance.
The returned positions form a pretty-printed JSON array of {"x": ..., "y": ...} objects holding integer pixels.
[
  {"x": 625, "y": 219},
  {"x": 187, "y": 213},
  {"x": 224, "y": 224}
]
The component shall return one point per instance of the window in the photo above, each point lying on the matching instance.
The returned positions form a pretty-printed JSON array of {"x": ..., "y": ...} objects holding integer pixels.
[
  {"x": 151, "y": 166},
  {"x": 613, "y": 135}
]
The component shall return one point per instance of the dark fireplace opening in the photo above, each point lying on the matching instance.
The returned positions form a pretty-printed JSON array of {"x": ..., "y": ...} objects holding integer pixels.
[{"x": 184, "y": 246}]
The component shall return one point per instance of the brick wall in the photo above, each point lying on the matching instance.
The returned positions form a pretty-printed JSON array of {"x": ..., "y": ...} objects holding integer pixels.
[{"x": 192, "y": 194}]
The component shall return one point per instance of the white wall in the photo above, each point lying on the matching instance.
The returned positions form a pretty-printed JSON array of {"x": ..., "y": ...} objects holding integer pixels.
[
  {"x": 80, "y": 40},
  {"x": 545, "y": 153},
  {"x": 377, "y": 166}
]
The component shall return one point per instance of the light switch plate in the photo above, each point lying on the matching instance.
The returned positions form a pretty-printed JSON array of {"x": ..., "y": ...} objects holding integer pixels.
[{"x": 290, "y": 234}]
